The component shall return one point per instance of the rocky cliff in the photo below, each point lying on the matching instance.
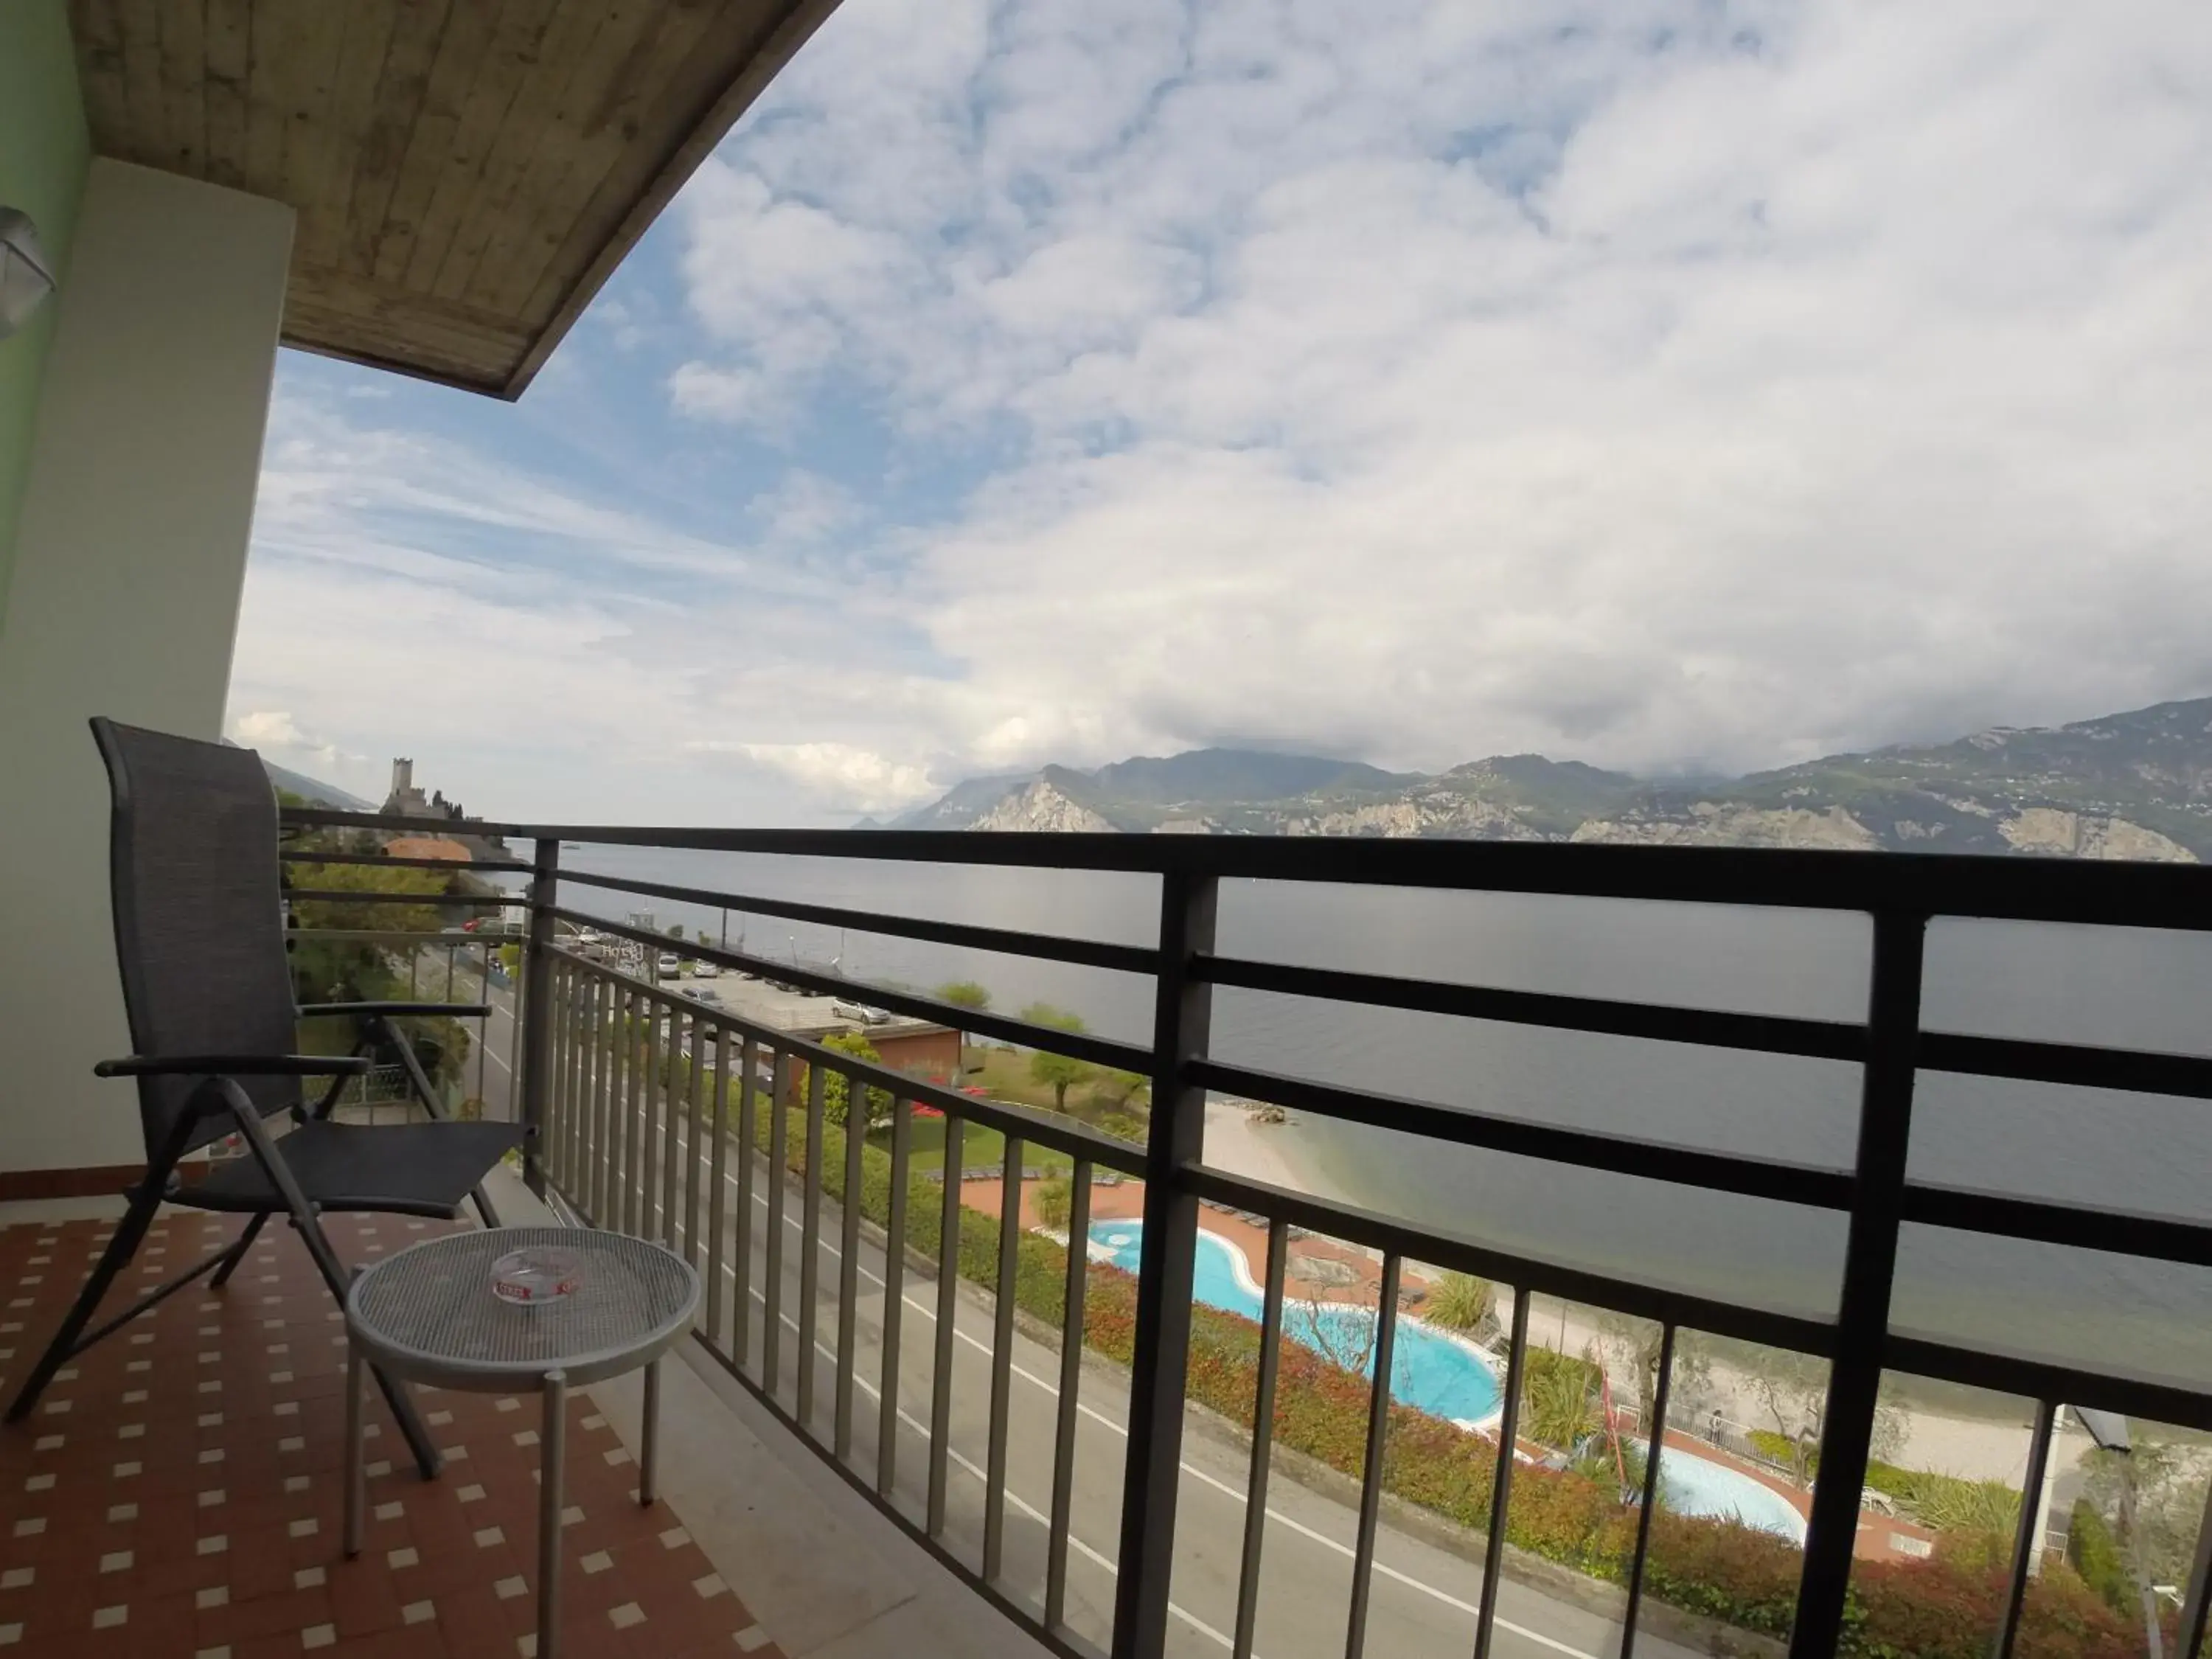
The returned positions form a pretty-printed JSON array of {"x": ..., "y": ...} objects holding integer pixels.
[{"x": 2130, "y": 786}]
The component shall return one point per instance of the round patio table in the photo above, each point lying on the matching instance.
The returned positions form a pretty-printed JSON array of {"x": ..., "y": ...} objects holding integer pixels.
[{"x": 427, "y": 1313}]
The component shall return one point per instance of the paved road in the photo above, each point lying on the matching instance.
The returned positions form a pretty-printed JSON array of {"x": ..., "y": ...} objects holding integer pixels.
[
  {"x": 492, "y": 1054},
  {"x": 1423, "y": 1600}
]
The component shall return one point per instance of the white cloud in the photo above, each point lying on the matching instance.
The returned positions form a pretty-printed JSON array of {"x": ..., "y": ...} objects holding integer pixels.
[
  {"x": 1658, "y": 383},
  {"x": 859, "y": 779},
  {"x": 274, "y": 728},
  {"x": 1653, "y": 382}
]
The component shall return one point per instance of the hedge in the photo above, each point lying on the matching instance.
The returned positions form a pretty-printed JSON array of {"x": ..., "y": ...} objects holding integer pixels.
[
  {"x": 1943, "y": 1607},
  {"x": 1925, "y": 1489}
]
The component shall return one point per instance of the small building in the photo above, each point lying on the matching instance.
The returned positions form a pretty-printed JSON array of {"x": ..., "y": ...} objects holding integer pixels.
[
  {"x": 918, "y": 1047},
  {"x": 428, "y": 847}
]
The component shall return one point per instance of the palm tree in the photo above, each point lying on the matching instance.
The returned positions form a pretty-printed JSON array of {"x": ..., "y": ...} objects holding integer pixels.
[
  {"x": 1558, "y": 1408},
  {"x": 1459, "y": 1301}
]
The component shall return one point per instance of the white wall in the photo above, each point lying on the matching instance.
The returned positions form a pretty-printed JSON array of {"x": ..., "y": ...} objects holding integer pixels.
[{"x": 130, "y": 556}]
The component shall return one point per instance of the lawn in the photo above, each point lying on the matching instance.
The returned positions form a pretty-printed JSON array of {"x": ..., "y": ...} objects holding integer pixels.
[
  {"x": 979, "y": 1147},
  {"x": 1005, "y": 1076}
]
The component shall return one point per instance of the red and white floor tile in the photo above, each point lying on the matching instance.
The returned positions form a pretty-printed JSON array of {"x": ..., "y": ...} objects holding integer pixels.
[{"x": 177, "y": 1493}]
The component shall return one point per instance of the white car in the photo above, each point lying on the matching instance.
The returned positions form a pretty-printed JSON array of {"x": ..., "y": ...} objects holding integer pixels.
[
  {"x": 668, "y": 967},
  {"x": 705, "y": 970}
]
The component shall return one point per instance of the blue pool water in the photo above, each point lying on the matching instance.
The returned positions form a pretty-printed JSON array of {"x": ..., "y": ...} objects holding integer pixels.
[
  {"x": 1431, "y": 1370},
  {"x": 1696, "y": 1486}
]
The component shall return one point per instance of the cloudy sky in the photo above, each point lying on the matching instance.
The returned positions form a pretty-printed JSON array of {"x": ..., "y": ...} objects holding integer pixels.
[{"x": 1661, "y": 383}]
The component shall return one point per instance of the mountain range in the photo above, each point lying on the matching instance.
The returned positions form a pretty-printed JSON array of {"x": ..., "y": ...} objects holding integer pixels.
[
  {"x": 313, "y": 791},
  {"x": 2129, "y": 786}
]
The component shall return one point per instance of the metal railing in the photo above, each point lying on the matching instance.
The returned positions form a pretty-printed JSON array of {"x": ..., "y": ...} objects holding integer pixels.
[
  {"x": 673, "y": 1118},
  {"x": 455, "y": 968}
]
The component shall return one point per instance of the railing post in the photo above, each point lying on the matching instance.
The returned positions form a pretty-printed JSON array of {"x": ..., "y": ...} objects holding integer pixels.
[
  {"x": 1869, "y": 1265},
  {"x": 537, "y": 1012},
  {"x": 1182, "y": 1016}
]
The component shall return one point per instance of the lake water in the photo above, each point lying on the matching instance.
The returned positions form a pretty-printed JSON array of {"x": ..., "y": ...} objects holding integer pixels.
[{"x": 2139, "y": 988}]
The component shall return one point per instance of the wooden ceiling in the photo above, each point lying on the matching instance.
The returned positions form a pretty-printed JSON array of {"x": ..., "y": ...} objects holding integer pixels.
[{"x": 467, "y": 173}]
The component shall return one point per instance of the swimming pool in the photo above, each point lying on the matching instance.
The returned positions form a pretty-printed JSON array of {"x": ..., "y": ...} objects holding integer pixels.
[
  {"x": 1691, "y": 1484},
  {"x": 1430, "y": 1369}
]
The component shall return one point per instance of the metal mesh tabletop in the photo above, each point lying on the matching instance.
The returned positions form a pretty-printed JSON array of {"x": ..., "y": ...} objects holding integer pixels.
[{"x": 430, "y": 1307}]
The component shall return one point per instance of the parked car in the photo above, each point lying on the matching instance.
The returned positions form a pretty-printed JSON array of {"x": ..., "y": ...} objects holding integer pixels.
[
  {"x": 668, "y": 967},
  {"x": 705, "y": 970}
]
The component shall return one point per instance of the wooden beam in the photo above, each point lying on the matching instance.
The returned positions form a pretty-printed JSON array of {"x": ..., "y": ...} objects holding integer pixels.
[
  {"x": 456, "y": 199},
  {"x": 141, "y": 29},
  {"x": 576, "y": 140},
  {"x": 789, "y": 26},
  {"x": 563, "y": 50},
  {"x": 467, "y": 173},
  {"x": 229, "y": 40},
  {"x": 183, "y": 32},
  {"x": 400, "y": 87},
  {"x": 460, "y": 53},
  {"x": 324, "y": 220}
]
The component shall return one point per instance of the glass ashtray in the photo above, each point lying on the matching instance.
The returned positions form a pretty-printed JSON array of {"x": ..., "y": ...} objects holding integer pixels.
[{"x": 536, "y": 1276}]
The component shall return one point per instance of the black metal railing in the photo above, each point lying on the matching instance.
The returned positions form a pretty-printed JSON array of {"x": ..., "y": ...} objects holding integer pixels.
[{"x": 650, "y": 1111}]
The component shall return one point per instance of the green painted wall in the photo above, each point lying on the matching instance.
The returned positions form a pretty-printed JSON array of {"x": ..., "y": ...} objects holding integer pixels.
[{"x": 43, "y": 150}]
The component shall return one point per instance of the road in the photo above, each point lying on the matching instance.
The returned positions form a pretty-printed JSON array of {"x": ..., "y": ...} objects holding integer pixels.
[
  {"x": 1423, "y": 1599},
  {"x": 489, "y": 1071}
]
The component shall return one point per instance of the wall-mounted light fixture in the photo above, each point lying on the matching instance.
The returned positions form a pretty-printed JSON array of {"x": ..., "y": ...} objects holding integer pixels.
[{"x": 26, "y": 277}]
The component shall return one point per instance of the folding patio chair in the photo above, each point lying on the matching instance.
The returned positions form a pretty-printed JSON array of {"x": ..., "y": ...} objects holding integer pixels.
[{"x": 200, "y": 940}]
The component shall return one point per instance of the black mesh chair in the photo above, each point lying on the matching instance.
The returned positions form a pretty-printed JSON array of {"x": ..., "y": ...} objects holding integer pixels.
[{"x": 200, "y": 940}]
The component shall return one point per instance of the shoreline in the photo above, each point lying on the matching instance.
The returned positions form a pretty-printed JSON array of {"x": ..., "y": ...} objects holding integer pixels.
[{"x": 1980, "y": 1448}]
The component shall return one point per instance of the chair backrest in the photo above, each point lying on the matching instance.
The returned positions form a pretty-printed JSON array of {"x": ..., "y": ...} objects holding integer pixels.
[{"x": 199, "y": 924}]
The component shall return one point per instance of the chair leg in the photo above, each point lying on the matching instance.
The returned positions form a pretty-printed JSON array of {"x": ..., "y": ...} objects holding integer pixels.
[
  {"x": 484, "y": 1209},
  {"x": 395, "y": 1392},
  {"x": 326, "y": 1263},
  {"x": 129, "y": 1233},
  {"x": 236, "y": 1254}
]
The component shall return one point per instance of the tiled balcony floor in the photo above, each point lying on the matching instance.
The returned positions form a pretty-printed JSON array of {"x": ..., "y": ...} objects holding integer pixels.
[{"x": 178, "y": 1492}]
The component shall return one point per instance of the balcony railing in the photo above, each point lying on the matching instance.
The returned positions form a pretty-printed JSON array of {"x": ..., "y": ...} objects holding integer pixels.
[{"x": 673, "y": 1118}]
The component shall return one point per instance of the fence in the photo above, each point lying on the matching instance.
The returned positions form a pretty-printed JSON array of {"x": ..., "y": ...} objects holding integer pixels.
[{"x": 630, "y": 1089}]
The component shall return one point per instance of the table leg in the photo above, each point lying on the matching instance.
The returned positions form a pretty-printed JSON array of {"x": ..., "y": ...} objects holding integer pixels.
[
  {"x": 552, "y": 1435},
  {"x": 650, "y": 1449},
  {"x": 357, "y": 1476}
]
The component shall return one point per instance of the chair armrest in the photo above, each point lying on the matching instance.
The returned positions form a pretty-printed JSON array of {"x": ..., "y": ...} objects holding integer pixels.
[
  {"x": 233, "y": 1065},
  {"x": 371, "y": 1010}
]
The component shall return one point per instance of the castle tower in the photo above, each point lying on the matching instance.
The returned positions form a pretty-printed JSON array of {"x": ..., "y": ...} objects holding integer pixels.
[{"x": 403, "y": 778}]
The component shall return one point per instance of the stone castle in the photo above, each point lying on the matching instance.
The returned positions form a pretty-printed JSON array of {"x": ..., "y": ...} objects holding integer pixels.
[{"x": 407, "y": 800}]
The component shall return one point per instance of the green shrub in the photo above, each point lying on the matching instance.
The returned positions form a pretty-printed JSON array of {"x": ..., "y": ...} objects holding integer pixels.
[
  {"x": 1460, "y": 1302},
  {"x": 2094, "y": 1554},
  {"x": 1055, "y": 1199}
]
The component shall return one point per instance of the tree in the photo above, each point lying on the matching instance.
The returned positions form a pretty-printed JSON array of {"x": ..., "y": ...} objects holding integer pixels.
[
  {"x": 1635, "y": 1346},
  {"x": 1342, "y": 1333},
  {"x": 2155, "y": 1498},
  {"x": 675, "y": 930},
  {"x": 1122, "y": 1091},
  {"x": 1058, "y": 1073},
  {"x": 356, "y": 970},
  {"x": 837, "y": 1088},
  {"x": 1055, "y": 1202},
  {"x": 2095, "y": 1554},
  {"x": 1558, "y": 1400},
  {"x": 1460, "y": 1302},
  {"x": 963, "y": 994},
  {"x": 362, "y": 970}
]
